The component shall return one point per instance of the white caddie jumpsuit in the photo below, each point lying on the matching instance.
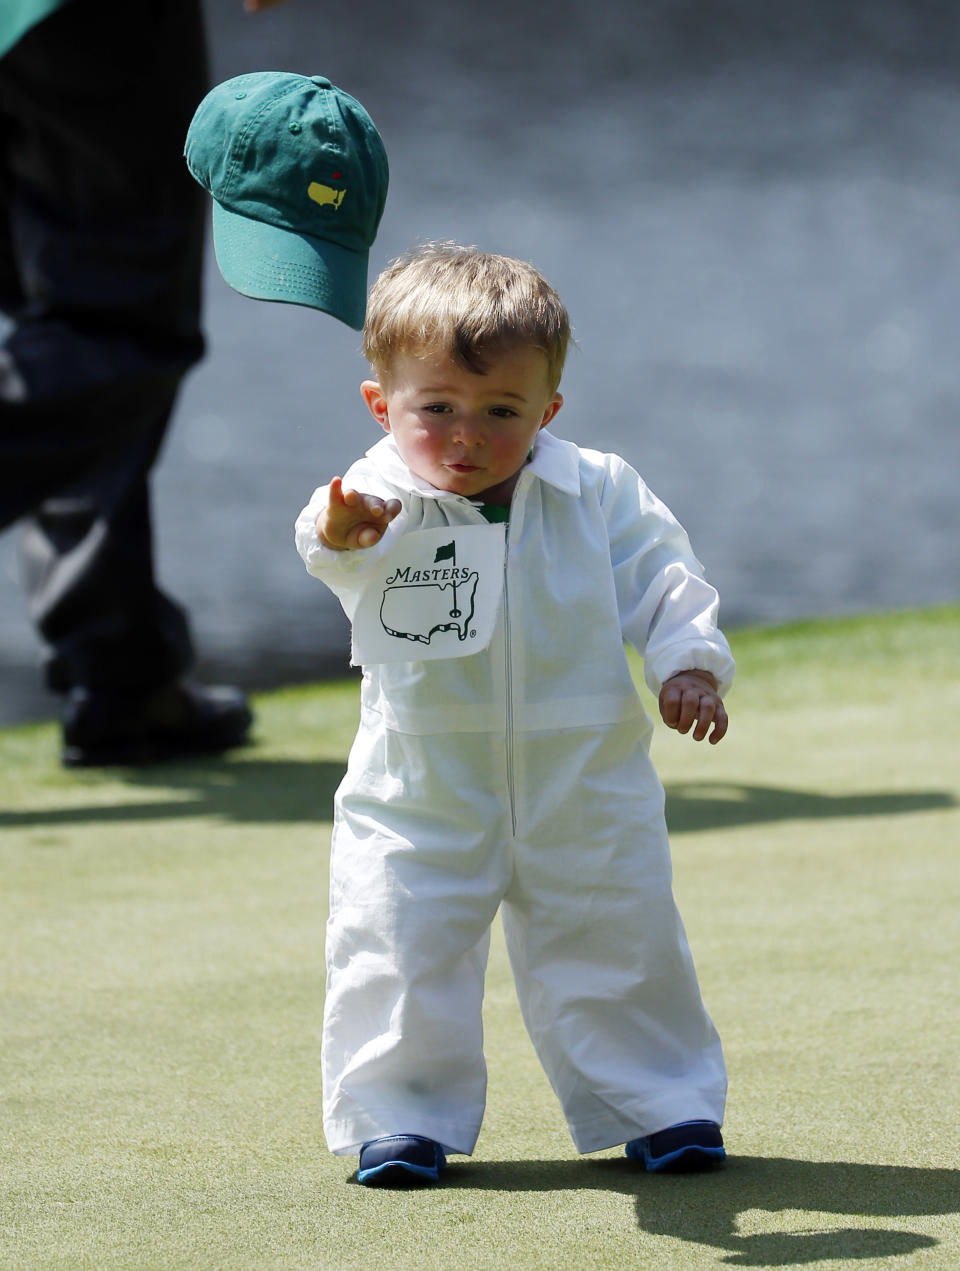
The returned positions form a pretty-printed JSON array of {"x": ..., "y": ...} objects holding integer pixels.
[{"x": 518, "y": 777}]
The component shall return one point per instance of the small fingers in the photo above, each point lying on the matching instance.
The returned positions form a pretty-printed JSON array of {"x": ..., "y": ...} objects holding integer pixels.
[
  {"x": 685, "y": 704},
  {"x": 720, "y": 725},
  {"x": 371, "y": 505},
  {"x": 352, "y": 519},
  {"x": 343, "y": 498},
  {"x": 369, "y": 532},
  {"x": 680, "y": 706},
  {"x": 368, "y": 535},
  {"x": 380, "y": 513},
  {"x": 670, "y": 705},
  {"x": 693, "y": 707}
]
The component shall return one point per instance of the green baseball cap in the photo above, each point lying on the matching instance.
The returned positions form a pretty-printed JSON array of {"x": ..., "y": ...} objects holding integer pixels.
[{"x": 298, "y": 175}]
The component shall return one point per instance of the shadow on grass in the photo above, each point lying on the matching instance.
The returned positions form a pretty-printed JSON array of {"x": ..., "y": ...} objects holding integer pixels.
[
  {"x": 251, "y": 790},
  {"x": 717, "y": 806},
  {"x": 760, "y": 1212},
  {"x": 245, "y": 791}
]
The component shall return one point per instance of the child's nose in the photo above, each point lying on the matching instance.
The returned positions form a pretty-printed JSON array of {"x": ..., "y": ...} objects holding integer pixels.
[{"x": 471, "y": 430}]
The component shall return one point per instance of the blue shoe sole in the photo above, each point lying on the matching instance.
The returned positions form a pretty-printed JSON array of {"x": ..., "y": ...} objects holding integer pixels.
[
  {"x": 684, "y": 1158},
  {"x": 398, "y": 1174},
  {"x": 679, "y": 1156},
  {"x": 400, "y": 1161}
]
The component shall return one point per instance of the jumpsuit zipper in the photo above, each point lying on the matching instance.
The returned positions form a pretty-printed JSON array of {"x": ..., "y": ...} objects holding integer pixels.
[{"x": 509, "y": 747}]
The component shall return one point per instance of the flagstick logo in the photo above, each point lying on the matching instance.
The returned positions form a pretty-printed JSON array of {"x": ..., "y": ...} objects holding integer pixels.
[{"x": 421, "y": 603}]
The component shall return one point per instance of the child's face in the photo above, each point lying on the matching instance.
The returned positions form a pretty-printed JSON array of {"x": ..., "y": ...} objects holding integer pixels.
[{"x": 464, "y": 432}]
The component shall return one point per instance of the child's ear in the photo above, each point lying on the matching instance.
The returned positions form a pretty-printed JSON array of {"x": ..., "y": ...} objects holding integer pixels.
[
  {"x": 555, "y": 404},
  {"x": 374, "y": 396}
]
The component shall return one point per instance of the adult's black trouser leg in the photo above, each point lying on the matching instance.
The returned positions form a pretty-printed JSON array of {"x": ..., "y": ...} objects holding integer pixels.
[
  {"x": 101, "y": 237},
  {"x": 87, "y": 565}
]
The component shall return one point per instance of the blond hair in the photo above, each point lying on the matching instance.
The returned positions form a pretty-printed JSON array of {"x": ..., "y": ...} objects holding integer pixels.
[{"x": 466, "y": 303}]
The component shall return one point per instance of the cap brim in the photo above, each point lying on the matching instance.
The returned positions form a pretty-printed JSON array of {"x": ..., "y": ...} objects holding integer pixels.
[{"x": 268, "y": 263}]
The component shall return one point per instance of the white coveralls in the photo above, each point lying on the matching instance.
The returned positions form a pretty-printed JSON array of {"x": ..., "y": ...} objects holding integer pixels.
[{"x": 519, "y": 777}]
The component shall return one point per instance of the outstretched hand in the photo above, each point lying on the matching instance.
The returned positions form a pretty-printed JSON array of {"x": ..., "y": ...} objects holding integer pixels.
[
  {"x": 352, "y": 520},
  {"x": 692, "y": 696}
]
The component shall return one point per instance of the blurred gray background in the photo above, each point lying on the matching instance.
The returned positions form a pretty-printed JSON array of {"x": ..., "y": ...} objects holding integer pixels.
[{"x": 752, "y": 211}]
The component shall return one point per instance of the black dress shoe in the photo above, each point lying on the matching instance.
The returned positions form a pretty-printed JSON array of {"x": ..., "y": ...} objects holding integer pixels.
[{"x": 172, "y": 722}]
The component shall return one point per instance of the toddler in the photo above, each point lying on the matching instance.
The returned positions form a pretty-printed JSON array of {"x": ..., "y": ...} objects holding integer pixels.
[{"x": 491, "y": 573}]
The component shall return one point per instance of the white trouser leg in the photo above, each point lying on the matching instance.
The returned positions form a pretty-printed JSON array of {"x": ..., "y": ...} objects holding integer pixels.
[
  {"x": 416, "y": 878},
  {"x": 600, "y": 957}
]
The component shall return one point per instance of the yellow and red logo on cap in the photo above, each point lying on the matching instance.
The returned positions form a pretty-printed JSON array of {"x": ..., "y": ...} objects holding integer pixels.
[{"x": 324, "y": 194}]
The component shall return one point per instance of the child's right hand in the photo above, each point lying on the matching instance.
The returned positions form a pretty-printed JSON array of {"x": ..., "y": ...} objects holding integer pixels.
[{"x": 352, "y": 520}]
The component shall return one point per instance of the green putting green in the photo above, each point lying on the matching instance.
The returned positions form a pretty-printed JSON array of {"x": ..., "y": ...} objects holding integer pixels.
[{"x": 161, "y": 980}]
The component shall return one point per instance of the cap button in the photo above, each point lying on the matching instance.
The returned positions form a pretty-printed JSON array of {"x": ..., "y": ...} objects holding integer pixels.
[{"x": 321, "y": 81}]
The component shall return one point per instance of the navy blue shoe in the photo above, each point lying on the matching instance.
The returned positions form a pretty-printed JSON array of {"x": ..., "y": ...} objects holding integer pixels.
[
  {"x": 400, "y": 1160},
  {"x": 691, "y": 1145}
]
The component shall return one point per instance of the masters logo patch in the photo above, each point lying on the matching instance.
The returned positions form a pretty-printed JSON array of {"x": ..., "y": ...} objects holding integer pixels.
[{"x": 435, "y": 595}]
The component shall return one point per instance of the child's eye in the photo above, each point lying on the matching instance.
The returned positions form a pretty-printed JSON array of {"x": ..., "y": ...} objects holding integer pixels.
[
  {"x": 436, "y": 408},
  {"x": 502, "y": 412}
]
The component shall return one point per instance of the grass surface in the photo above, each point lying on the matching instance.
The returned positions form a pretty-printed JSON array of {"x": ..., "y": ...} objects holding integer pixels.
[{"x": 161, "y": 988}]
